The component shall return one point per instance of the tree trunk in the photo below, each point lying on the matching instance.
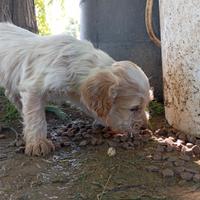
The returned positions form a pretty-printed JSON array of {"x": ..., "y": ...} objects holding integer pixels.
[{"x": 19, "y": 12}]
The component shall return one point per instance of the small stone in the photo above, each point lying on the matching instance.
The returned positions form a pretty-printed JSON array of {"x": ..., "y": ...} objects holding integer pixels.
[
  {"x": 196, "y": 178},
  {"x": 2, "y": 136},
  {"x": 189, "y": 145},
  {"x": 196, "y": 150},
  {"x": 167, "y": 173},
  {"x": 152, "y": 168},
  {"x": 185, "y": 157},
  {"x": 178, "y": 144},
  {"x": 83, "y": 143},
  {"x": 169, "y": 141},
  {"x": 111, "y": 151},
  {"x": 186, "y": 176}
]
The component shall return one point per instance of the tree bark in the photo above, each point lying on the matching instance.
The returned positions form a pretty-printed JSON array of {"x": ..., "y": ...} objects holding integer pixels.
[{"x": 19, "y": 12}]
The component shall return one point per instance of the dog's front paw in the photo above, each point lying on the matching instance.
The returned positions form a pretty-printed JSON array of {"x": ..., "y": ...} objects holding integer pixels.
[{"x": 39, "y": 147}]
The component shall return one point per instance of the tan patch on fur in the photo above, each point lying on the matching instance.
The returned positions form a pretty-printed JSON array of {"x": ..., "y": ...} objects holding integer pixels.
[{"x": 98, "y": 92}]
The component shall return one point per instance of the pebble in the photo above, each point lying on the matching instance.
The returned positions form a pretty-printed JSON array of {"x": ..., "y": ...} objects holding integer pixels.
[
  {"x": 186, "y": 176},
  {"x": 196, "y": 178},
  {"x": 152, "y": 168},
  {"x": 167, "y": 173},
  {"x": 111, "y": 151}
]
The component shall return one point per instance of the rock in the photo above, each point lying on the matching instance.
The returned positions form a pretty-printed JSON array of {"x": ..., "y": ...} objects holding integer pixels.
[
  {"x": 186, "y": 176},
  {"x": 167, "y": 173},
  {"x": 152, "y": 168},
  {"x": 185, "y": 157},
  {"x": 196, "y": 150},
  {"x": 111, "y": 151},
  {"x": 169, "y": 141},
  {"x": 189, "y": 145},
  {"x": 83, "y": 143},
  {"x": 196, "y": 178},
  {"x": 178, "y": 144}
]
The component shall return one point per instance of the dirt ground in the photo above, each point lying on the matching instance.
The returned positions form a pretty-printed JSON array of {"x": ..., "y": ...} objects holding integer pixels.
[{"x": 86, "y": 172}]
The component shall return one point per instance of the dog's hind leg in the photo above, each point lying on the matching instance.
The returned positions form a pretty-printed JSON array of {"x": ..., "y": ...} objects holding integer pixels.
[{"x": 35, "y": 126}]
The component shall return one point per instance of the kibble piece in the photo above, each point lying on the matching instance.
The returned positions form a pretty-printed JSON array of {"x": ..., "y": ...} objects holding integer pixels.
[
  {"x": 189, "y": 145},
  {"x": 186, "y": 151},
  {"x": 186, "y": 176},
  {"x": 167, "y": 173},
  {"x": 196, "y": 178},
  {"x": 152, "y": 168},
  {"x": 196, "y": 150}
]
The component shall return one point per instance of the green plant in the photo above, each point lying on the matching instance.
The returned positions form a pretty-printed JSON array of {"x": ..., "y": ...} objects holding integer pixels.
[
  {"x": 156, "y": 108},
  {"x": 11, "y": 113}
]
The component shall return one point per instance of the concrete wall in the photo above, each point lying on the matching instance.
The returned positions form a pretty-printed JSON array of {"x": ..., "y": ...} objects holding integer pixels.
[
  {"x": 118, "y": 27},
  {"x": 180, "y": 31}
]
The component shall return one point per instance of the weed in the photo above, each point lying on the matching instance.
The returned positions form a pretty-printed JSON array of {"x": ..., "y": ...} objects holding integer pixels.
[{"x": 156, "y": 108}]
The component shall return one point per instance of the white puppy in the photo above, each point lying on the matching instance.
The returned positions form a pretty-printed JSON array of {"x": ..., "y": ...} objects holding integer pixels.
[{"x": 35, "y": 68}]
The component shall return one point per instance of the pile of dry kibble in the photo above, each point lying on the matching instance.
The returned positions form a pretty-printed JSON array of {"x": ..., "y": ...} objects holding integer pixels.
[{"x": 84, "y": 134}]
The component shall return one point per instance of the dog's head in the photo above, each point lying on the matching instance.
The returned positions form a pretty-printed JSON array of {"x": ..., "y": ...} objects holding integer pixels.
[{"x": 118, "y": 96}]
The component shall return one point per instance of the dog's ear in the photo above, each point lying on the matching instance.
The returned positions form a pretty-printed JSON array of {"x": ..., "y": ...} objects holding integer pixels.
[{"x": 99, "y": 91}]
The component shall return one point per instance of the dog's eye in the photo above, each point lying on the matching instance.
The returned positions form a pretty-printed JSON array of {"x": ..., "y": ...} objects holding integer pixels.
[{"x": 135, "y": 109}]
